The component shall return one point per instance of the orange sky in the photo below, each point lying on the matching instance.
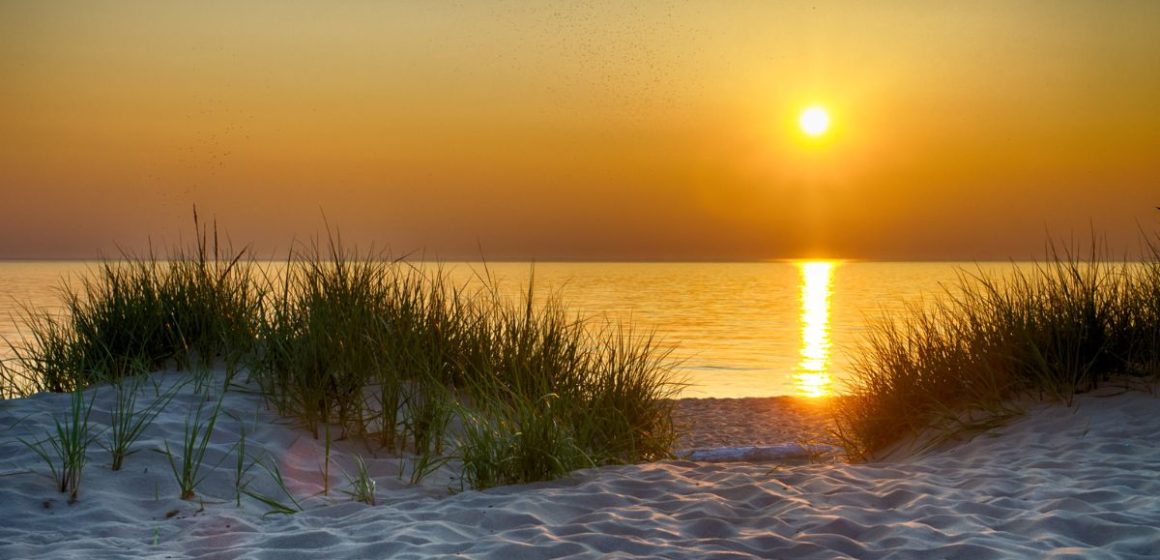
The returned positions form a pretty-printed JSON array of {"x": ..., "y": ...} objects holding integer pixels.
[{"x": 605, "y": 132}]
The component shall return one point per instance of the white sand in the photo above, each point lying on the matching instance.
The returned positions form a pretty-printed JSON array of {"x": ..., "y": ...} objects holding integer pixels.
[{"x": 1081, "y": 482}]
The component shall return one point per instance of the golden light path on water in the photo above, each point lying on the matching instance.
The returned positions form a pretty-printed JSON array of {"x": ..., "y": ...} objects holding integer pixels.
[{"x": 812, "y": 375}]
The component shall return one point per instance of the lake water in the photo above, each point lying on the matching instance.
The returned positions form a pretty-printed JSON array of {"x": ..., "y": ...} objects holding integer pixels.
[{"x": 737, "y": 329}]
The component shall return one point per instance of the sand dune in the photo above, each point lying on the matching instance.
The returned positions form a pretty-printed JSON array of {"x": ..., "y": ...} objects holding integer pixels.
[{"x": 1079, "y": 482}]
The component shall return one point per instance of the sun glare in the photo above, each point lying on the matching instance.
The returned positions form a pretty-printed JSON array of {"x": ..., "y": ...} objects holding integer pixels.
[
  {"x": 814, "y": 121},
  {"x": 813, "y": 375}
]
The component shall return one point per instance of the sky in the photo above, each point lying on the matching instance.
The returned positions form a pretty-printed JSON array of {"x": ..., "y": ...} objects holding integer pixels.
[{"x": 581, "y": 130}]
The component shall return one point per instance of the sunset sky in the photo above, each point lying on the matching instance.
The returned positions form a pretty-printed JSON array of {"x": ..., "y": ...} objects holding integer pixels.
[{"x": 609, "y": 131}]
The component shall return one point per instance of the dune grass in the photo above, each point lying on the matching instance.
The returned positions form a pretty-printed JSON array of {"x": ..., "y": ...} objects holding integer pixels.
[
  {"x": 65, "y": 451},
  {"x": 397, "y": 354},
  {"x": 277, "y": 506},
  {"x": 379, "y": 349},
  {"x": 362, "y": 486},
  {"x": 127, "y": 422},
  {"x": 1052, "y": 330},
  {"x": 138, "y": 314},
  {"x": 188, "y": 467}
]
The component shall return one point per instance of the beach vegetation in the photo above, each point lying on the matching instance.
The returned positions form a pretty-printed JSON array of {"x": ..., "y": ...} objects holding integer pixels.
[
  {"x": 188, "y": 469},
  {"x": 959, "y": 364},
  {"x": 519, "y": 440},
  {"x": 17, "y": 381},
  {"x": 126, "y": 422},
  {"x": 396, "y": 353},
  {"x": 241, "y": 466},
  {"x": 277, "y": 506},
  {"x": 65, "y": 450},
  {"x": 377, "y": 348},
  {"x": 49, "y": 359},
  {"x": 324, "y": 468},
  {"x": 137, "y": 314},
  {"x": 361, "y": 485}
]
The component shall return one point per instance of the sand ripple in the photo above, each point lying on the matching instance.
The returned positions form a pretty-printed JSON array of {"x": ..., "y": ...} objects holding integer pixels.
[{"x": 1079, "y": 482}]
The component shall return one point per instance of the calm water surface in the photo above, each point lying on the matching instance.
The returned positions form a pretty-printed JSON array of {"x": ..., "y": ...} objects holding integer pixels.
[{"x": 738, "y": 329}]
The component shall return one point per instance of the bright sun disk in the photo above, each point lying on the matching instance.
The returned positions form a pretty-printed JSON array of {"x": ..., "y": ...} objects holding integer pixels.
[{"x": 814, "y": 121}]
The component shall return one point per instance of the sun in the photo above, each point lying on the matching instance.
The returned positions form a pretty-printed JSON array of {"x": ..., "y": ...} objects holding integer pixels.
[{"x": 814, "y": 121}]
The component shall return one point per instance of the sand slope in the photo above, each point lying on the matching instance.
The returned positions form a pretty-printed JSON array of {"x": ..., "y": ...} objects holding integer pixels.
[{"x": 1081, "y": 482}]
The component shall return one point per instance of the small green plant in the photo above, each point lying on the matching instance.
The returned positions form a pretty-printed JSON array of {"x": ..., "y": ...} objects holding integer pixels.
[
  {"x": 276, "y": 506},
  {"x": 241, "y": 468},
  {"x": 326, "y": 463},
  {"x": 126, "y": 423},
  {"x": 198, "y": 430},
  {"x": 67, "y": 449},
  {"x": 362, "y": 486}
]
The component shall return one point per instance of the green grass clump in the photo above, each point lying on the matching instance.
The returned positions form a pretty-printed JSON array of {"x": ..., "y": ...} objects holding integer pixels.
[
  {"x": 1051, "y": 330},
  {"x": 128, "y": 317},
  {"x": 556, "y": 395},
  {"x": 337, "y": 329},
  {"x": 362, "y": 486},
  {"x": 380, "y": 349},
  {"x": 517, "y": 440},
  {"x": 397, "y": 354},
  {"x": 552, "y": 394}
]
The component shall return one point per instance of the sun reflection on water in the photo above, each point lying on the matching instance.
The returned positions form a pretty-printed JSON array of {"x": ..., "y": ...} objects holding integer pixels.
[{"x": 812, "y": 375}]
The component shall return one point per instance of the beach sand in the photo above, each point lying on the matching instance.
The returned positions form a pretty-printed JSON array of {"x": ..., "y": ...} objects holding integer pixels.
[
  {"x": 707, "y": 423},
  {"x": 1060, "y": 482}
]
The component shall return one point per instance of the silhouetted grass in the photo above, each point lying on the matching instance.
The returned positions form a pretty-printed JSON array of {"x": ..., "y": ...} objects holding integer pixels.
[
  {"x": 139, "y": 314},
  {"x": 398, "y": 354},
  {"x": 1051, "y": 330},
  {"x": 555, "y": 394},
  {"x": 357, "y": 342},
  {"x": 381, "y": 349}
]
